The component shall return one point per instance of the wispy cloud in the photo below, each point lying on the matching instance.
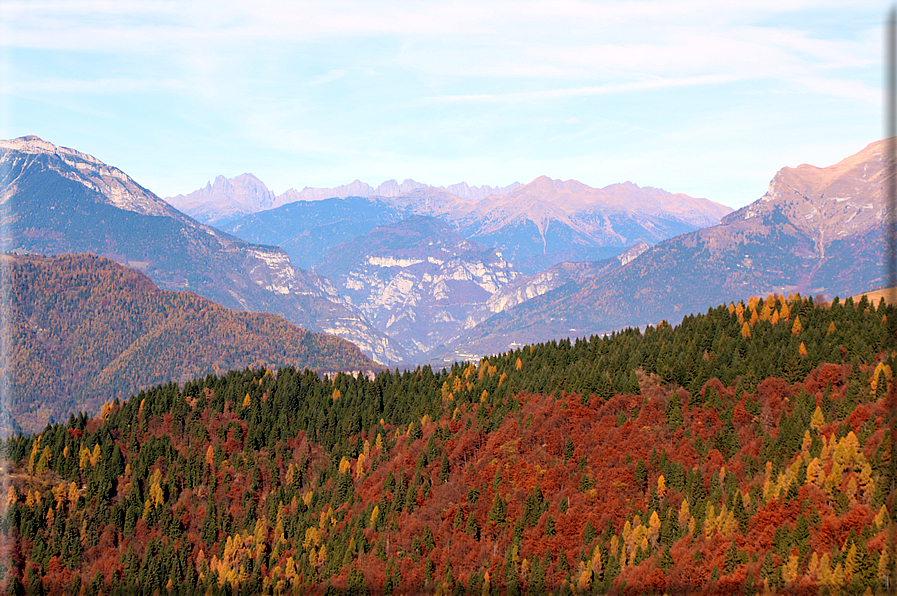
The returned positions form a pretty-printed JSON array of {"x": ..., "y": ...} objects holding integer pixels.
[
  {"x": 54, "y": 85},
  {"x": 613, "y": 88},
  {"x": 331, "y": 76}
]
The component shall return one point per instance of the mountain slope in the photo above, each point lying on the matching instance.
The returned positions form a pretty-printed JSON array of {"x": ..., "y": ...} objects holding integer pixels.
[
  {"x": 305, "y": 230},
  {"x": 83, "y": 330},
  {"x": 817, "y": 230},
  {"x": 416, "y": 279},
  {"x": 57, "y": 200}
]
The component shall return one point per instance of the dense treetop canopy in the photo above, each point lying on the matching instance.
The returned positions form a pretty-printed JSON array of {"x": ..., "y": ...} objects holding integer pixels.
[{"x": 746, "y": 449}]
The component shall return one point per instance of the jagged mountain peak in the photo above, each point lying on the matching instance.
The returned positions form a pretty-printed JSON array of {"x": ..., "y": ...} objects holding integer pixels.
[
  {"x": 391, "y": 188},
  {"x": 245, "y": 189},
  {"x": 247, "y": 179},
  {"x": 225, "y": 199}
]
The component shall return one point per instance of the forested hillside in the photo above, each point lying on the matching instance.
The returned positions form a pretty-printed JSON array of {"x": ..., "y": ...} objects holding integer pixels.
[
  {"x": 84, "y": 330},
  {"x": 744, "y": 450}
]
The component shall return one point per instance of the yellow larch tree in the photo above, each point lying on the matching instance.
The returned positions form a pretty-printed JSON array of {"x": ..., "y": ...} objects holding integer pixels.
[
  {"x": 789, "y": 570},
  {"x": 661, "y": 486},
  {"x": 816, "y": 473},
  {"x": 653, "y": 529},
  {"x": 817, "y": 420},
  {"x": 881, "y": 369},
  {"x": 784, "y": 311}
]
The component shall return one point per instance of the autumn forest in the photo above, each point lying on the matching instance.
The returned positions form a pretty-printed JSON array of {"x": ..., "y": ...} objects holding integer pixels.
[{"x": 746, "y": 450}]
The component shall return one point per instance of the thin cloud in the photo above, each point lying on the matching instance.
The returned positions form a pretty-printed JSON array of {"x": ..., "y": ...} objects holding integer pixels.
[
  {"x": 92, "y": 86},
  {"x": 331, "y": 76},
  {"x": 609, "y": 89}
]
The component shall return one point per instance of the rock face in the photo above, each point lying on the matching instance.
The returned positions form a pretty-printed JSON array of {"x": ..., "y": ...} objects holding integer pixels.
[
  {"x": 109, "y": 185},
  {"x": 817, "y": 231},
  {"x": 57, "y": 201},
  {"x": 826, "y": 204},
  {"x": 417, "y": 280}
]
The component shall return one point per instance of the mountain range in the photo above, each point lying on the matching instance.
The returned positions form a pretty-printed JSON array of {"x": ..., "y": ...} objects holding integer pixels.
[
  {"x": 427, "y": 275},
  {"x": 816, "y": 231},
  {"x": 531, "y": 228},
  {"x": 224, "y": 200},
  {"x": 536, "y": 225},
  {"x": 57, "y": 200}
]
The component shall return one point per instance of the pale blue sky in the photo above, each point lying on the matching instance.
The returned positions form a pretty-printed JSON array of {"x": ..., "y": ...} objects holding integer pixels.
[{"x": 707, "y": 98}]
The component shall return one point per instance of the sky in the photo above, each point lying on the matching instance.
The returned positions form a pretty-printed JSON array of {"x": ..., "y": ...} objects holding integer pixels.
[{"x": 706, "y": 98}]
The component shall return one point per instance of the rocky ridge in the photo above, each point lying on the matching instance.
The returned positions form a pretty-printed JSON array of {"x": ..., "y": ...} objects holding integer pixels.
[
  {"x": 826, "y": 203},
  {"x": 227, "y": 199},
  {"x": 111, "y": 185}
]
